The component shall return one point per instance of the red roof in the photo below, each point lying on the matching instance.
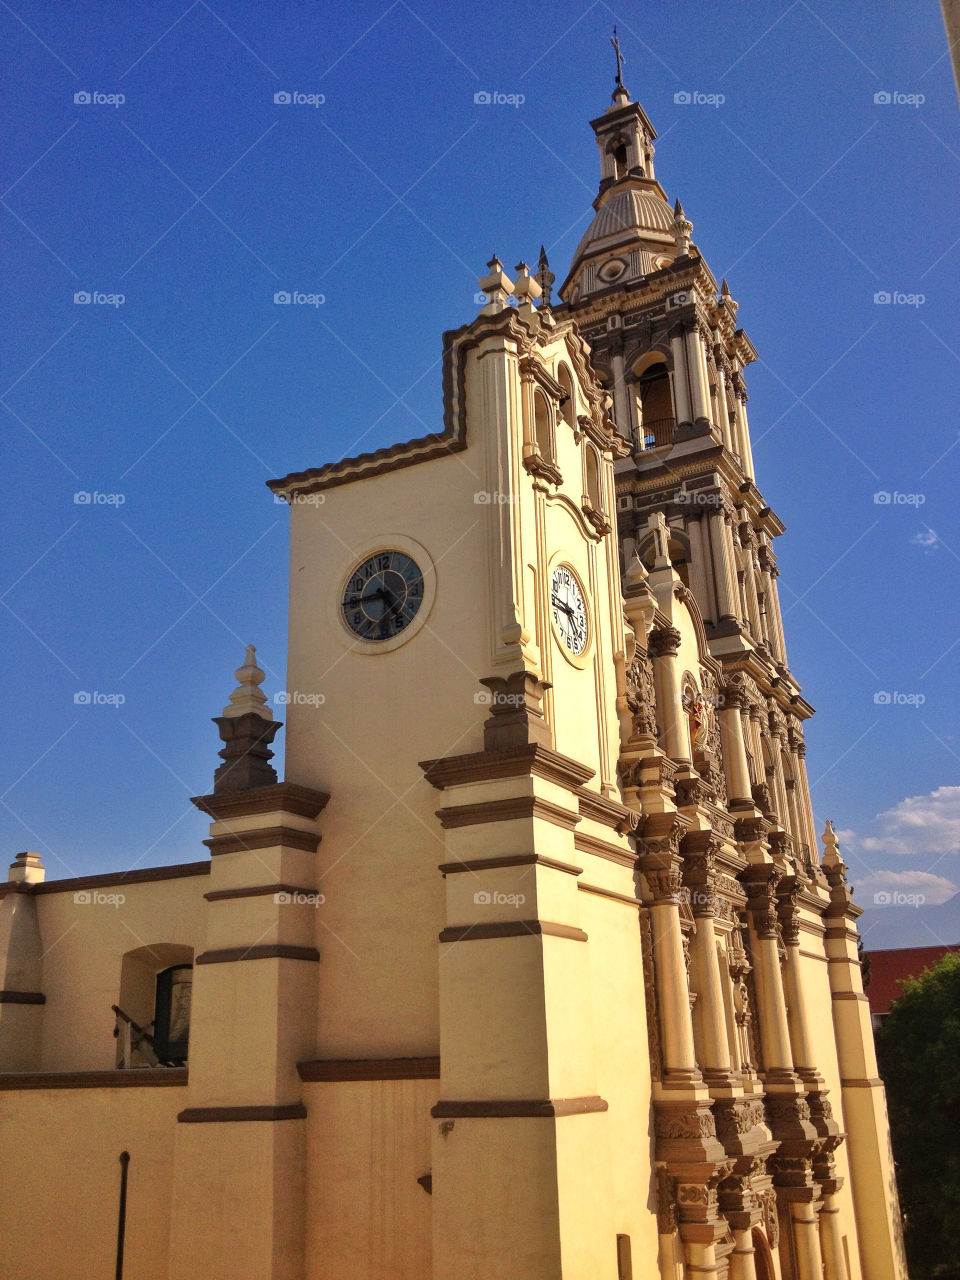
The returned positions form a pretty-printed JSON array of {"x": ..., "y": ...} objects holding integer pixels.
[{"x": 889, "y": 968}]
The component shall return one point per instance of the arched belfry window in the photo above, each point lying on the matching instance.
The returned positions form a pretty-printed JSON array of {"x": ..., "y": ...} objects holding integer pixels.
[
  {"x": 655, "y": 406},
  {"x": 568, "y": 401},
  {"x": 542, "y": 427},
  {"x": 620, "y": 160}
]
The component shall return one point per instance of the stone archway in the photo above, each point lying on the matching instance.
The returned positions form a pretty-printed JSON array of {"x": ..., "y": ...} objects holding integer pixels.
[{"x": 762, "y": 1257}]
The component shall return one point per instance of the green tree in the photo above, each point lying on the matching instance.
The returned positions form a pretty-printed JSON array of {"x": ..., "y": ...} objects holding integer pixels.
[{"x": 918, "y": 1047}]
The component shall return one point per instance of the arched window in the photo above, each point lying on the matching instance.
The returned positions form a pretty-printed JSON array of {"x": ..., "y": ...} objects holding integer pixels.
[
  {"x": 153, "y": 1009},
  {"x": 542, "y": 426},
  {"x": 655, "y": 406},
  {"x": 592, "y": 463},
  {"x": 620, "y": 162},
  {"x": 568, "y": 401}
]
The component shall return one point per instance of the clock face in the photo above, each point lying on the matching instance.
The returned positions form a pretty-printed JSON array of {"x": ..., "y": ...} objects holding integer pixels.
[
  {"x": 568, "y": 609},
  {"x": 383, "y": 595}
]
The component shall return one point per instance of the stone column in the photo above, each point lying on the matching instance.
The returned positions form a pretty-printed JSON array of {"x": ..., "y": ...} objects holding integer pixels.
[
  {"x": 734, "y": 749},
  {"x": 621, "y": 411},
  {"x": 831, "y": 1239},
  {"x": 746, "y": 450},
  {"x": 696, "y": 363},
  {"x": 722, "y": 566},
  {"x": 681, "y": 394},
  {"x": 788, "y": 890},
  {"x": 663, "y": 646},
  {"x": 743, "y": 1259},
  {"x": 806, "y": 1240},
  {"x": 700, "y": 875},
  {"x": 673, "y": 993},
  {"x": 772, "y": 1014}
]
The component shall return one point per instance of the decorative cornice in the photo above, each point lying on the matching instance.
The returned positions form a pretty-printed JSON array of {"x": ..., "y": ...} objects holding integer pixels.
[
  {"x": 286, "y": 797},
  {"x": 264, "y": 838},
  {"x": 482, "y": 932},
  {"x": 512, "y": 860},
  {"x": 532, "y": 759},
  {"x": 507, "y": 810}
]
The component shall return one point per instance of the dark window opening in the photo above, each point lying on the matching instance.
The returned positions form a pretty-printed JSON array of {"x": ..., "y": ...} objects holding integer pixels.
[
  {"x": 171, "y": 1033},
  {"x": 657, "y": 419}
]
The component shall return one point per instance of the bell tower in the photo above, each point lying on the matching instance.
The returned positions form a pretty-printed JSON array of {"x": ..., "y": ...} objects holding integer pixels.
[
  {"x": 667, "y": 347},
  {"x": 694, "y": 529}
]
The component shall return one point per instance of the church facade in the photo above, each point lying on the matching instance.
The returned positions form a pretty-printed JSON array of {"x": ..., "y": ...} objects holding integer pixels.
[{"x": 533, "y": 966}]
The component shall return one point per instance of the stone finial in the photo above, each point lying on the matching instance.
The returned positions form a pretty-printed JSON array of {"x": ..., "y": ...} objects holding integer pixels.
[
  {"x": 247, "y": 728},
  {"x": 27, "y": 868},
  {"x": 527, "y": 289},
  {"x": 248, "y": 696},
  {"x": 636, "y": 573},
  {"x": 545, "y": 277},
  {"x": 497, "y": 286},
  {"x": 831, "y": 847},
  {"x": 726, "y": 297},
  {"x": 682, "y": 229}
]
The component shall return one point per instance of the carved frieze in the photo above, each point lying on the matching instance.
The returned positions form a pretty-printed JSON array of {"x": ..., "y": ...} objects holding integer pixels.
[{"x": 641, "y": 696}]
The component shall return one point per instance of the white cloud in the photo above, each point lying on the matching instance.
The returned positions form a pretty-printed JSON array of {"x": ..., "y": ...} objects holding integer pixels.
[
  {"x": 928, "y": 541},
  {"x": 918, "y": 824},
  {"x": 893, "y": 888}
]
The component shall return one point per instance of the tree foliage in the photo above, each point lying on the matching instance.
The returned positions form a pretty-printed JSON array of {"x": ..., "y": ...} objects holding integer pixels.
[{"x": 918, "y": 1047}]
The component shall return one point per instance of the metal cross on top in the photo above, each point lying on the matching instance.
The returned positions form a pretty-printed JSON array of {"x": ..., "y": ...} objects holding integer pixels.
[{"x": 616, "y": 47}]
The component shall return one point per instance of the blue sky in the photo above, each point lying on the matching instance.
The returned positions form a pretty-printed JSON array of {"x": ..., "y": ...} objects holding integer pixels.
[{"x": 198, "y": 197}]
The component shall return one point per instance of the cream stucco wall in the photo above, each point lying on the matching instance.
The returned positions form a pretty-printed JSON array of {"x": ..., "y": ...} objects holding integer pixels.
[{"x": 60, "y": 1181}]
